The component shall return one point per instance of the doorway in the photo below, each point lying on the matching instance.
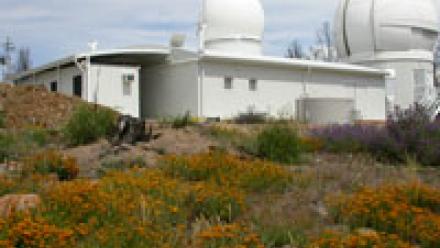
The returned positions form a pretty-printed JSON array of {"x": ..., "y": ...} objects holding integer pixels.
[{"x": 77, "y": 86}]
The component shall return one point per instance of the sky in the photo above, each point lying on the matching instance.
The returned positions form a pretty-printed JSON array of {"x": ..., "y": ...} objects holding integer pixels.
[{"x": 57, "y": 28}]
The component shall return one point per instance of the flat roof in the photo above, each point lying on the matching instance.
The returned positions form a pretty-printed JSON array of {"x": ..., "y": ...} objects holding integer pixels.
[
  {"x": 135, "y": 50},
  {"x": 166, "y": 51}
]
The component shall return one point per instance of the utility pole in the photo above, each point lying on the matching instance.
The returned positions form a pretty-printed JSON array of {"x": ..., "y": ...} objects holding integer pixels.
[{"x": 8, "y": 47}]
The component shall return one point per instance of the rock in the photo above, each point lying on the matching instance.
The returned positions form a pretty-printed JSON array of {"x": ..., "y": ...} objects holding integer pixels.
[{"x": 12, "y": 203}]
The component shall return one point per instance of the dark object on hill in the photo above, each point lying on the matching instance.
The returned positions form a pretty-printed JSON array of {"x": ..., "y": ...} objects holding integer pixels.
[
  {"x": 251, "y": 118},
  {"x": 183, "y": 121},
  {"x": 131, "y": 130}
]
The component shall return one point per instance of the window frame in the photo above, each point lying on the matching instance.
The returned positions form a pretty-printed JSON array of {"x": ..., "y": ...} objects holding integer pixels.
[
  {"x": 253, "y": 84},
  {"x": 228, "y": 83},
  {"x": 127, "y": 83},
  {"x": 53, "y": 86}
]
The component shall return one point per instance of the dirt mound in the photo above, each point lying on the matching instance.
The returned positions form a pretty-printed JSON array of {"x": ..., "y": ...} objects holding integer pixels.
[{"x": 25, "y": 106}]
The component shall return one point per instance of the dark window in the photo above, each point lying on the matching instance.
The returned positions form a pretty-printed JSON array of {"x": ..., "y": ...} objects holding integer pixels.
[
  {"x": 253, "y": 84},
  {"x": 54, "y": 86},
  {"x": 77, "y": 86},
  {"x": 228, "y": 83}
]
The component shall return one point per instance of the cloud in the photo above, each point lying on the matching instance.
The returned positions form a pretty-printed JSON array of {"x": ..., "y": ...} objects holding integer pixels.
[{"x": 55, "y": 28}]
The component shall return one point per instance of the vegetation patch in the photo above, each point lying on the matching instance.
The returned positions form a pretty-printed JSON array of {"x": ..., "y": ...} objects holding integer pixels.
[
  {"x": 231, "y": 235},
  {"x": 49, "y": 162},
  {"x": 408, "y": 211},
  {"x": 15, "y": 144},
  {"x": 228, "y": 170},
  {"x": 407, "y": 134},
  {"x": 360, "y": 239},
  {"x": 279, "y": 143},
  {"x": 89, "y": 123}
]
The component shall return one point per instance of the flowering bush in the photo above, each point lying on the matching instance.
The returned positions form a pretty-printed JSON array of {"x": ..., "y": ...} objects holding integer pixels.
[
  {"x": 51, "y": 161},
  {"x": 367, "y": 239},
  {"x": 137, "y": 208},
  {"x": 227, "y": 170},
  {"x": 231, "y": 235},
  {"x": 407, "y": 133},
  {"x": 30, "y": 232},
  {"x": 409, "y": 211}
]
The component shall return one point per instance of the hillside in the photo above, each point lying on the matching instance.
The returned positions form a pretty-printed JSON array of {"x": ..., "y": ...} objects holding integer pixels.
[
  {"x": 276, "y": 184},
  {"x": 35, "y": 106}
]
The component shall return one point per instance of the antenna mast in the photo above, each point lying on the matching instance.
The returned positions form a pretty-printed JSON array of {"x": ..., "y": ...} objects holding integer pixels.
[{"x": 8, "y": 47}]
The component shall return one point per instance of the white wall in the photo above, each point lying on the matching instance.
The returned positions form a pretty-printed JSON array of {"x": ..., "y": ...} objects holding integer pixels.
[
  {"x": 64, "y": 76},
  {"x": 169, "y": 90},
  {"x": 106, "y": 88},
  {"x": 279, "y": 88},
  {"x": 403, "y": 87}
]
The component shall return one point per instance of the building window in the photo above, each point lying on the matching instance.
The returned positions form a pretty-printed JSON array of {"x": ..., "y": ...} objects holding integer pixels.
[
  {"x": 127, "y": 84},
  {"x": 253, "y": 84},
  {"x": 54, "y": 86},
  {"x": 228, "y": 83},
  {"x": 420, "y": 84}
]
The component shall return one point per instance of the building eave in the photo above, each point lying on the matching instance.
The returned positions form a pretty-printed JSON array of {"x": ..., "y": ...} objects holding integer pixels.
[
  {"x": 71, "y": 59},
  {"x": 294, "y": 63}
]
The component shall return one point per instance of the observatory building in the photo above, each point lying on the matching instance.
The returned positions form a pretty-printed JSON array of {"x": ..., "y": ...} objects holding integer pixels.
[
  {"x": 392, "y": 34},
  {"x": 228, "y": 75}
]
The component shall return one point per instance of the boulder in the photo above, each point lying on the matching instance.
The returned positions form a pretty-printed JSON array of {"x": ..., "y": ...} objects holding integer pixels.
[{"x": 18, "y": 203}]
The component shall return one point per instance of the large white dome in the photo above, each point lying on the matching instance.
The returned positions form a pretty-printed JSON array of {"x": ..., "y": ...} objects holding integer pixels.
[
  {"x": 367, "y": 27},
  {"x": 232, "y": 26}
]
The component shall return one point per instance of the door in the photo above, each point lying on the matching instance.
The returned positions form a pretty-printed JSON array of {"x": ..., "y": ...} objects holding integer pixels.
[{"x": 77, "y": 86}]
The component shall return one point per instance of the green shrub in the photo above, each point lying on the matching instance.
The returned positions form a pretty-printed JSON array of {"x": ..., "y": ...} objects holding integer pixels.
[
  {"x": 279, "y": 143},
  {"x": 183, "y": 121},
  {"x": 2, "y": 120},
  {"x": 88, "y": 124}
]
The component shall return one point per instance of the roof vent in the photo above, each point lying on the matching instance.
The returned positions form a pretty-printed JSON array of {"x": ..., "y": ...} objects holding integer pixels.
[{"x": 177, "y": 40}]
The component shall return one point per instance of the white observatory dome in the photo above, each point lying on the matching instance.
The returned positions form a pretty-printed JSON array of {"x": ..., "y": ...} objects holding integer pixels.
[
  {"x": 368, "y": 27},
  {"x": 232, "y": 26}
]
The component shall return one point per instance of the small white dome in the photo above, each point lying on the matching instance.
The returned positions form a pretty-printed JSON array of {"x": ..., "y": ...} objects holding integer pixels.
[
  {"x": 233, "y": 26},
  {"x": 374, "y": 26}
]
